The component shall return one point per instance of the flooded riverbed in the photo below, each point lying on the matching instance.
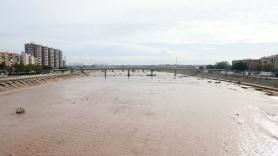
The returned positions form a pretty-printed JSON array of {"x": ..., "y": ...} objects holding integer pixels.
[{"x": 140, "y": 115}]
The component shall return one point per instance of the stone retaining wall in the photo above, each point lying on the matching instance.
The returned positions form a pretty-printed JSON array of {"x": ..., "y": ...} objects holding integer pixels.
[
  {"x": 256, "y": 80},
  {"x": 27, "y": 81}
]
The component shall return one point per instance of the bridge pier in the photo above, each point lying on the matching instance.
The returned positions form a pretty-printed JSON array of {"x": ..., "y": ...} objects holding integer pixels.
[
  {"x": 105, "y": 72},
  {"x": 128, "y": 73},
  {"x": 152, "y": 72},
  {"x": 175, "y": 74},
  {"x": 82, "y": 70}
]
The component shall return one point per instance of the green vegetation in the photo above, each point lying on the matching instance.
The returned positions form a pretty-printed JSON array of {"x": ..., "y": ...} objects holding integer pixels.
[
  {"x": 210, "y": 66},
  {"x": 241, "y": 66},
  {"x": 255, "y": 68},
  {"x": 268, "y": 68},
  {"x": 30, "y": 69},
  {"x": 220, "y": 65},
  {"x": 3, "y": 67},
  {"x": 19, "y": 69}
]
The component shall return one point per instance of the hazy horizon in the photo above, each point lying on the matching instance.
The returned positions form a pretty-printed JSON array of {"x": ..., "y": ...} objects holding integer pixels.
[{"x": 145, "y": 31}]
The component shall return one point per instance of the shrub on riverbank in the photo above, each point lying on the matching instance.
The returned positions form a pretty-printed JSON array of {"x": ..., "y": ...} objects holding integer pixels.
[{"x": 19, "y": 69}]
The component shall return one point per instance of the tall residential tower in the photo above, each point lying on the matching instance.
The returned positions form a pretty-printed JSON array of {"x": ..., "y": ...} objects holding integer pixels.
[{"x": 44, "y": 55}]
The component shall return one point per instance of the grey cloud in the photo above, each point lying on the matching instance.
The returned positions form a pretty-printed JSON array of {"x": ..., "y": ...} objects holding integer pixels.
[{"x": 152, "y": 31}]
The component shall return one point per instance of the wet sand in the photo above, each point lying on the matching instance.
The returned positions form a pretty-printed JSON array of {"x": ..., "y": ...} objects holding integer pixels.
[{"x": 141, "y": 115}]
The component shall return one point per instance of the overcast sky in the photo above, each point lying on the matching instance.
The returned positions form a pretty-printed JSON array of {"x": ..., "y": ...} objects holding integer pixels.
[{"x": 143, "y": 31}]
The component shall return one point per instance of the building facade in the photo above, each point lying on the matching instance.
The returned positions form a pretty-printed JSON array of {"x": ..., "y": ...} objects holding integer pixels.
[
  {"x": 34, "y": 50},
  {"x": 273, "y": 60},
  {"x": 26, "y": 59},
  {"x": 251, "y": 63},
  {"x": 9, "y": 58},
  {"x": 61, "y": 62},
  {"x": 44, "y": 55},
  {"x": 56, "y": 58},
  {"x": 51, "y": 57}
]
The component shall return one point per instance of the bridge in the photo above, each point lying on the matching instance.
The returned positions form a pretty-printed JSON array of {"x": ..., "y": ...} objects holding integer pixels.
[{"x": 130, "y": 68}]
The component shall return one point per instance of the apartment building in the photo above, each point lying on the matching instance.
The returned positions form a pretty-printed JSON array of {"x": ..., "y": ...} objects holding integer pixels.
[
  {"x": 45, "y": 53},
  {"x": 51, "y": 57},
  {"x": 56, "y": 58},
  {"x": 273, "y": 60},
  {"x": 26, "y": 59},
  {"x": 34, "y": 50},
  {"x": 61, "y": 62},
  {"x": 9, "y": 58}
]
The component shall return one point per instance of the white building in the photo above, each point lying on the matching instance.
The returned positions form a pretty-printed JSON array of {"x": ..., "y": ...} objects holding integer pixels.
[
  {"x": 27, "y": 59},
  {"x": 24, "y": 58},
  {"x": 33, "y": 60}
]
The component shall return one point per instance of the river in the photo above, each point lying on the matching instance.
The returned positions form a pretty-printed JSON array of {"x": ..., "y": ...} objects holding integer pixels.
[{"x": 140, "y": 115}]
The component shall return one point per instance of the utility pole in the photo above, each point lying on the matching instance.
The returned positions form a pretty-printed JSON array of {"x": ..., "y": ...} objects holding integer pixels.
[{"x": 176, "y": 66}]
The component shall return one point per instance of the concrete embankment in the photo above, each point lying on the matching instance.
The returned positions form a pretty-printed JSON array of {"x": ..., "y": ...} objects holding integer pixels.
[
  {"x": 265, "y": 83},
  {"x": 10, "y": 83}
]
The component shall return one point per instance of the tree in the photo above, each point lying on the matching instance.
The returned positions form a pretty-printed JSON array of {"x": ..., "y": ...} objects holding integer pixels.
[
  {"x": 222, "y": 65},
  {"x": 46, "y": 69},
  {"x": 257, "y": 67},
  {"x": 240, "y": 66},
  {"x": 210, "y": 66},
  {"x": 3, "y": 66},
  {"x": 19, "y": 68},
  {"x": 37, "y": 69},
  {"x": 268, "y": 68}
]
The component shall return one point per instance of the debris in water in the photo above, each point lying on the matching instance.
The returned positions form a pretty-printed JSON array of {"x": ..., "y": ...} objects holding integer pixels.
[
  {"x": 269, "y": 93},
  {"x": 20, "y": 110},
  {"x": 217, "y": 82},
  {"x": 258, "y": 89},
  {"x": 232, "y": 89}
]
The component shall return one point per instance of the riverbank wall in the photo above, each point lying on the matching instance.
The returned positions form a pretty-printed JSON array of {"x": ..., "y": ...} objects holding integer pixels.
[
  {"x": 269, "y": 83},
  {"x": 17, "y": 82}
]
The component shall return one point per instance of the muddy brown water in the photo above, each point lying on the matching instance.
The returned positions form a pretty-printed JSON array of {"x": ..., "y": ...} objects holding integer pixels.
[{"x": 139, "y": 115}]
